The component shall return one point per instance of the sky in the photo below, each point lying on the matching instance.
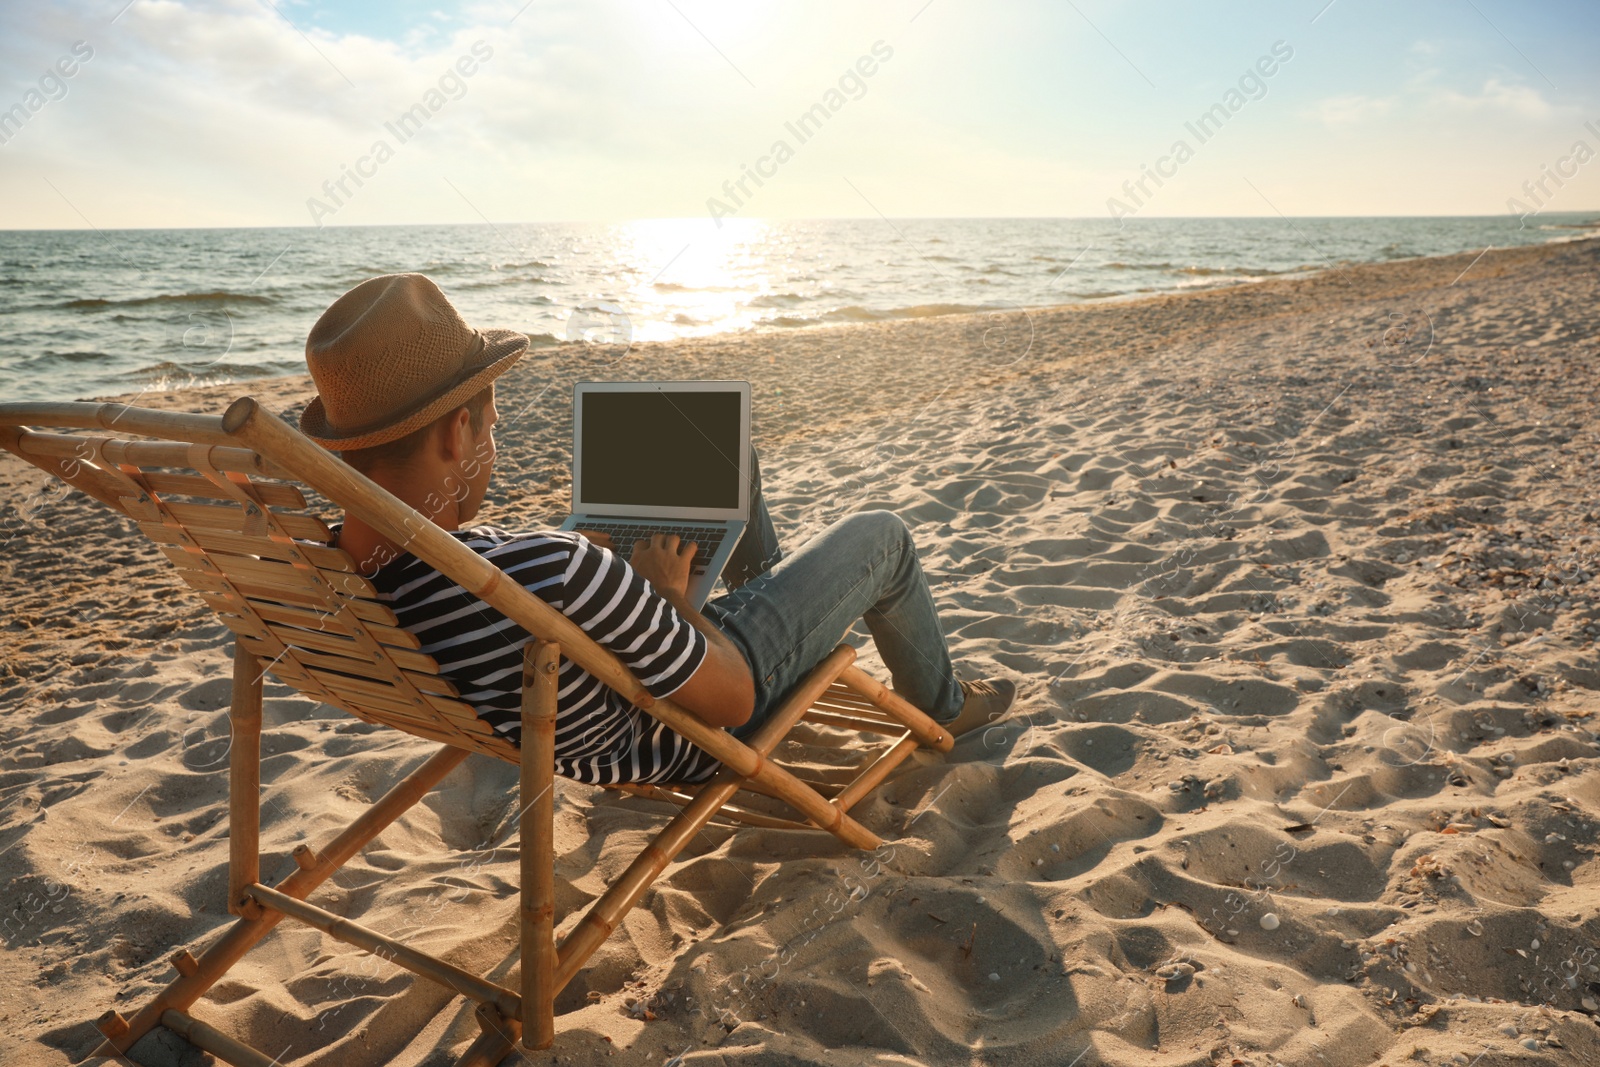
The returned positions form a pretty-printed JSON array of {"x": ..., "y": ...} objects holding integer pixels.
[{"x": 288, "y": 112}]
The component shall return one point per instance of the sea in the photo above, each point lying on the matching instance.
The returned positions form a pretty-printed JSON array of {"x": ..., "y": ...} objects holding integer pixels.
[{"x": 91, "y": 313}]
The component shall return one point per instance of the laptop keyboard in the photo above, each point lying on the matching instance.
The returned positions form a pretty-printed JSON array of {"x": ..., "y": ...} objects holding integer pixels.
[{"x": 707, "y": 539}]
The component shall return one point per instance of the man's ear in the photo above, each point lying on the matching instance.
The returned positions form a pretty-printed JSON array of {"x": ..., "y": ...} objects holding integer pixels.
[{"x": 457, "y": 438}]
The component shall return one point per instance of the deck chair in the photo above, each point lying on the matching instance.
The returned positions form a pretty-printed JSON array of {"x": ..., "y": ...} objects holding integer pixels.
[{"x": 218, "y": 495}]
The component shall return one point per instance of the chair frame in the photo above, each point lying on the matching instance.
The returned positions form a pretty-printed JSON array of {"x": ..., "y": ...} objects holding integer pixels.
[{"x": 236, "y": 453}]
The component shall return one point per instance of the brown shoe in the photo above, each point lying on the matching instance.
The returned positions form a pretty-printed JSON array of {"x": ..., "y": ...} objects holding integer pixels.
[{"x": 986, "y": 702}]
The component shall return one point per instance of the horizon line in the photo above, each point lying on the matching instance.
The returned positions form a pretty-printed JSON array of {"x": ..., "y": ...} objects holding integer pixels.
[{"x": 1134, "y": 220}]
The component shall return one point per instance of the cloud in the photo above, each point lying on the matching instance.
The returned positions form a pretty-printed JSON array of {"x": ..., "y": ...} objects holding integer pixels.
[
  {"x": 1497, "y": 99},
  {"x": 1496, "y": 95},
  {"x": 1352, "y": 108}
]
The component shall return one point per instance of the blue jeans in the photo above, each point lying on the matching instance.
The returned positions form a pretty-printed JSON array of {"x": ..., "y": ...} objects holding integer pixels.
[{"x": 788, "y": 612}]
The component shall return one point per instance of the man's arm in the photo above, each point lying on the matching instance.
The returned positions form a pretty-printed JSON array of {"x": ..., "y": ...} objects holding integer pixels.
[{"x": 721, "y": 691}]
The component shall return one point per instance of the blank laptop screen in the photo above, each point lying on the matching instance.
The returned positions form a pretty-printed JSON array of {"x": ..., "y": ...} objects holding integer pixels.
[{"x": 661, "y": 448}]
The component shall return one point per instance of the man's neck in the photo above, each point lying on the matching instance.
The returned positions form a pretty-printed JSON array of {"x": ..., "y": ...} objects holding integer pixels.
[{"x": 371, "y": 549}]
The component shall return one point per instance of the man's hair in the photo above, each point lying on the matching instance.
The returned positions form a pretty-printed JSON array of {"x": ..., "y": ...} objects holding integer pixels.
[{"x": 394, "y": 455}]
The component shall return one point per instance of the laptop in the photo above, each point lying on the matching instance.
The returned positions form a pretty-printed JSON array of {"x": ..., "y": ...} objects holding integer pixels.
[{"x": 663, "y": 457}]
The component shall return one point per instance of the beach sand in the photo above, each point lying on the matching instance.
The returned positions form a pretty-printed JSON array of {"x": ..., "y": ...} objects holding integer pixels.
[{"x": 1296, "y": 582}]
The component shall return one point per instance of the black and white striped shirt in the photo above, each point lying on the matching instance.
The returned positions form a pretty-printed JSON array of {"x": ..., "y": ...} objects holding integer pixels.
[{"x": 601, "y": 738}]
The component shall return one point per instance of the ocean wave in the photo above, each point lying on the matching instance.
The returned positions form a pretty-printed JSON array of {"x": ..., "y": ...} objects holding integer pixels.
[
  {"x": 1138, "y": 266},
  {"x": 856, "y": 313},
  {"x": 165, "y": 373},
  {"x": 215, "y": 297},
  {"x": 75, "y": 356},
  {"x": 1232, "y": 272},
  {"x": 502, "y": 283},
  {"x": 777, "y": 300},
  {"x": 1564, "y": 238},
  {"x": 674, "y": 287},
  {"x": 49, "y": 362},
  {"x": 1218, "y": 280}
]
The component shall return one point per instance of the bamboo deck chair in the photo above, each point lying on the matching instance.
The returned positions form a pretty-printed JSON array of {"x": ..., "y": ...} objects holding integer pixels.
[{"x": 217, "y": 494}]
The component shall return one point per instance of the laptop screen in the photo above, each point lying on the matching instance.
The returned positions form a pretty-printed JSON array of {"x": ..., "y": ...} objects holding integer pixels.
[{"x": 659, "y": 448}]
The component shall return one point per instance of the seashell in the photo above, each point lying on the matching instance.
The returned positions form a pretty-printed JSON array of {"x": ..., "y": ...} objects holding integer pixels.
[
  {"x": 1175, "y": 972},
  {"x": 1269, "y": 921}
]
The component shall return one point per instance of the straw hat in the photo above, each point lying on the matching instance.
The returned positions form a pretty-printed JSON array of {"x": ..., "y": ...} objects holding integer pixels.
[{"x": 391, "y": 356}]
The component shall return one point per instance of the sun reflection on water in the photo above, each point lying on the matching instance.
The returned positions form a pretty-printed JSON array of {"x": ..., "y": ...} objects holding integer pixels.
[{"x": 691, "y": 277}]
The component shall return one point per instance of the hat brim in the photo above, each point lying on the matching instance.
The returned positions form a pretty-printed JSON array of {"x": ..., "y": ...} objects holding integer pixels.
[{"x": 501, "y": 348}]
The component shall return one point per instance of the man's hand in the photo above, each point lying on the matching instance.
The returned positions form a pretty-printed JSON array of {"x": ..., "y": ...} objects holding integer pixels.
[
  {"x": 722, "y": 690},
  {"x": 664, "y": 562}
]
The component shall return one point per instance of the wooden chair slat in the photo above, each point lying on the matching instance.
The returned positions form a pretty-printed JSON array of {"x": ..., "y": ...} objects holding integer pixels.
[
  {"x": 847, "y": 697},
  {"x": 232, "y": 518},
  {"x": 272, "y": 571},
  {"x": 265, "y": 575},
  {"x": 379, "y": 623},
  {"x": 361, "y": 687},
  {"x": 150, "y": 453},
  {"x": 327, "y": 639},
  {"x": 860, "y": 711},
  {"x": 402, "y": 715},
  {"x": 678, "y": 799},
  {"x": 391, "y": 710},
  {"x": 341, "y": 643},
  {"x": 365, "y": 668},
  {"x": 849, "y": 722},
  {"x": 279, "y": 494},
  {"x": 329, "y": 559},
  {"x": 366, "y": 610}
]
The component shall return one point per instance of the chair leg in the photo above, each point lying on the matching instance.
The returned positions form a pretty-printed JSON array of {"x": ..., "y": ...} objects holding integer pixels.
[
  {"x": 540, "y": 666},
  {"x": 208, "y": 1037},
  {"x": 487, "y": 1051},
  {"x": 244, "y": 781}
]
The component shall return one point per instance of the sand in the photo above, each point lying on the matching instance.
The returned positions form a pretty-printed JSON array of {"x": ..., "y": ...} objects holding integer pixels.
[{"x": 1295, "y": 579}]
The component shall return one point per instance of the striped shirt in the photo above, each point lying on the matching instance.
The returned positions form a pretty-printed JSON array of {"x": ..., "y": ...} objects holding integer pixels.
[{"x": 601, "y": 738}]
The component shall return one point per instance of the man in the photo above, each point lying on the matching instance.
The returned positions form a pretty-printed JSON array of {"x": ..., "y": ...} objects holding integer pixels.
[{"x": 406, "y": 395}]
